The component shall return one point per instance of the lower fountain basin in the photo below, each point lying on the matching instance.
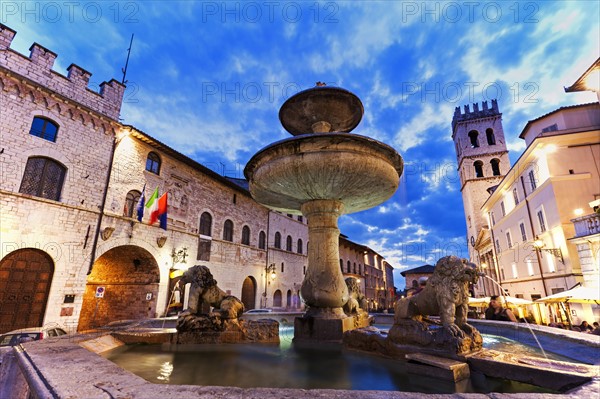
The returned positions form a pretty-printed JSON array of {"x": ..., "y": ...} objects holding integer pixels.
[
  {"x": 60, "y": 367},
  {"x": 358, "y": 171},
  {"x": 279, "y": 367}
]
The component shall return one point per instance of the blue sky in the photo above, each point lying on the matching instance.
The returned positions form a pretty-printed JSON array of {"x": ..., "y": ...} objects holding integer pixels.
[{"x": 208, "y": 78}]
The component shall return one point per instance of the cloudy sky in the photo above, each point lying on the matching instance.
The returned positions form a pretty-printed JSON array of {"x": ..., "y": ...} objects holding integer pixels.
[{"x": 208, "y": 78}]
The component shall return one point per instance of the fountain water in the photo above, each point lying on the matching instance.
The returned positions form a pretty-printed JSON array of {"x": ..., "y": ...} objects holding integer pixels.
[
  {"x": 322, "y": 173},
  {"x": 526, "y": 322}
]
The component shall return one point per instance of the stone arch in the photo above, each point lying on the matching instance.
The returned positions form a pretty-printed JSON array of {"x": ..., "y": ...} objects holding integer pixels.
[
  {"x": 474, "y": 138},
  {"x": 495, "y": 163},
  {"x": 277, "y": 300},
  {"x": 49, "y": 114},
  {"x": 129, "y": 276},
  {"x": 249, "y": 293},
  {"x": 25, "y": 280},
  {"x": 478, "y": 165},
  {"x": 13, "y": 88},
  {"x": 29, "y": 96},
  {"x": 489, "y": 134},
  {"x": 205, "y": 223}
]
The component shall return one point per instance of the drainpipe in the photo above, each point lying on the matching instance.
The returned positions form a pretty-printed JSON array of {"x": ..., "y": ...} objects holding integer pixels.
[
  {"x": 537, "y": 251},
  {"x": 103, "y": 204},
  {"x": 264, "y": 296}
]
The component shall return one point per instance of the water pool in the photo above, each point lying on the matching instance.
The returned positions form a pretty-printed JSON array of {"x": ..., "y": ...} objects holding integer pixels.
[{"x": 283, "y": 366}]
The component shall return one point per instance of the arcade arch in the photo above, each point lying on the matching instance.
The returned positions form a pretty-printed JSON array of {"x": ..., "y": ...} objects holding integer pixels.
[{"x": 128, "y": 277}]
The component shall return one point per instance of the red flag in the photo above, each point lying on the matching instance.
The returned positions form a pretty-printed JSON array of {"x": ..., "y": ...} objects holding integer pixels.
[{"x": 158, "y": 212}]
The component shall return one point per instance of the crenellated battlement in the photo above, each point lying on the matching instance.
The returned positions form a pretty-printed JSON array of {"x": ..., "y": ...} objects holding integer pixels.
[
  {"x": 37, "y": 68},
  {"x": 477, "y": 113}
]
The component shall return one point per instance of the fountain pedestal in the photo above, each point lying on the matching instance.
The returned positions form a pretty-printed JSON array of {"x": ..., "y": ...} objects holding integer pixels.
[
  {"x": 324, "y": 290},
  {"x": 322, "y": 173}
]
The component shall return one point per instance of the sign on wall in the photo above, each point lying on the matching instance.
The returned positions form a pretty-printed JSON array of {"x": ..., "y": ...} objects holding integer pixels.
[{"x": 100, "y": 292}]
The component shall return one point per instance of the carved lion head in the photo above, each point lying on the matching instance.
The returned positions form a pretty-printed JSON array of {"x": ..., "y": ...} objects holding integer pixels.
[
  {"x": 353, "y": 288},
  {"x": 200, "y": 276},
  {"x": 455, "y": 269}
]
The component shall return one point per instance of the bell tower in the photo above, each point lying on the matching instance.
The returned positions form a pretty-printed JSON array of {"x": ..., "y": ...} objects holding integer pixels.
[{"x": 482, "y": 159}]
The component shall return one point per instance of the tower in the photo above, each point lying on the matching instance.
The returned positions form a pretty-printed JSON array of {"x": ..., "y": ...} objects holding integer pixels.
[{"x": 483, "y": 162}]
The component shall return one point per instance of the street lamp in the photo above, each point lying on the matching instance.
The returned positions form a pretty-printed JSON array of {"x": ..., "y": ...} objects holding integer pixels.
[
  {"x": 269, "y": 270},
  {"x": 179, "y": 256},
  {"x": 483, "y": 267},
  {"x": 540, "y": 245}
]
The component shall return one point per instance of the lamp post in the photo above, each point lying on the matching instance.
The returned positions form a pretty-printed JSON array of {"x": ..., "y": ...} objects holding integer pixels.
[
  {"x": 179, "y": 256},
  {"x": 537, "y": 245},
  {"x": 540, "y": 245},
  {"x": 483, "y": 267},
  {"x": 269, "y": 271}
]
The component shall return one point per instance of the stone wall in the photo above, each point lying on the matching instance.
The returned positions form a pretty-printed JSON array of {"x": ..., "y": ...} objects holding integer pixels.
[{"x": 87, "y": 122}]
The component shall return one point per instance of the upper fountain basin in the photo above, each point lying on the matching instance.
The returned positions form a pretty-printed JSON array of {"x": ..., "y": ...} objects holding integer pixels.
[
  {"x": 338, "y": 107},
  {"x": 356, "y": 170}
]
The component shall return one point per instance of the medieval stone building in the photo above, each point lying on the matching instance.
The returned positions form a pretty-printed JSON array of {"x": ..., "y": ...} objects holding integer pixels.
[
  {"x": 72, "y": 248},
  {"x": 483, "y": 162}
]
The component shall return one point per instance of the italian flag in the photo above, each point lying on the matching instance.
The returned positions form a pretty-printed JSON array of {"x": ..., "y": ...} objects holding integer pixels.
[{"x": 158, "y": 209}]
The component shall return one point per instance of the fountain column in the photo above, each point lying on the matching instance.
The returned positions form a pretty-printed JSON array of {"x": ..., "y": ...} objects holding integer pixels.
[
  {"x": 322, "y": 173},
  {"x": 324, "y": 290}
]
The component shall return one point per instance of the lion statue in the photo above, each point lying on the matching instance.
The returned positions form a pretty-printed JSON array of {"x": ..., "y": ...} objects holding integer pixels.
[
  {"x": 204, "y": 289},
  {"x": 446, "y": 294},
  {"x": 357, "y": 302}
]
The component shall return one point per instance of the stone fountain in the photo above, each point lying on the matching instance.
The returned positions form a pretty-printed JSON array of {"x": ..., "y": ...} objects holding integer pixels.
[{"x": 323, "y": 172}]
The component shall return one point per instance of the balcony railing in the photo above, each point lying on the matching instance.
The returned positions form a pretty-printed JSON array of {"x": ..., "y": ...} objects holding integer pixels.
[{"x": 587, "y": 225}]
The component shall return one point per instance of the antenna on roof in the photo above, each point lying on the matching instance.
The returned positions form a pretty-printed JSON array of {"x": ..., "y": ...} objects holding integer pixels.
[{"x": 124, "y": 70}]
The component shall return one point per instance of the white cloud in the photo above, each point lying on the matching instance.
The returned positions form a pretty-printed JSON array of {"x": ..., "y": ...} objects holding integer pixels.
[{"x": 415, "y": 132}]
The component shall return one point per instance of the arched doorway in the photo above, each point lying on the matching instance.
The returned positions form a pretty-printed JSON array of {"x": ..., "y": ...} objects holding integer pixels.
[
  {"x": 277, "y": 299},
  {"x": 249, "y": 293},
  {"x": 288, "y": 302},
  {"x": 123, "y": 285},
  {"x": 25, "y": 278}
]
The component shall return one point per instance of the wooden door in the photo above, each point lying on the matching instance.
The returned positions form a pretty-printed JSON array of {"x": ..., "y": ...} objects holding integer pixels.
[{"x": 25, "y": 278}]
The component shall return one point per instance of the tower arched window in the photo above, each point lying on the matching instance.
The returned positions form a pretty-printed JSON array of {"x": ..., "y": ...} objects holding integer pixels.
[
  {"x": 473, "y": 136},
  {"x": 44, "y": 128},
  {"x": 478, "y": 168},
  {"x": 348, "y": 265},
  {"x": 206, "y": 224},
  {"x": 288, "y": 243},
  {"x": 131, "y": 200},
  {"x": 299, "y": 246},
  {"x": 342, "y": 265},
  {"x": 495, "y": 166},
  {"x": 153, "y": 163},
  {"x": 43, "y": 177},
  {"x": 246, "y": 235},
  {"x": 278, "y": 240},
  {"x": 228, "y": 230},
  {"x": 262, "y": 240},
  {"x": 489, "y": 134}
]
